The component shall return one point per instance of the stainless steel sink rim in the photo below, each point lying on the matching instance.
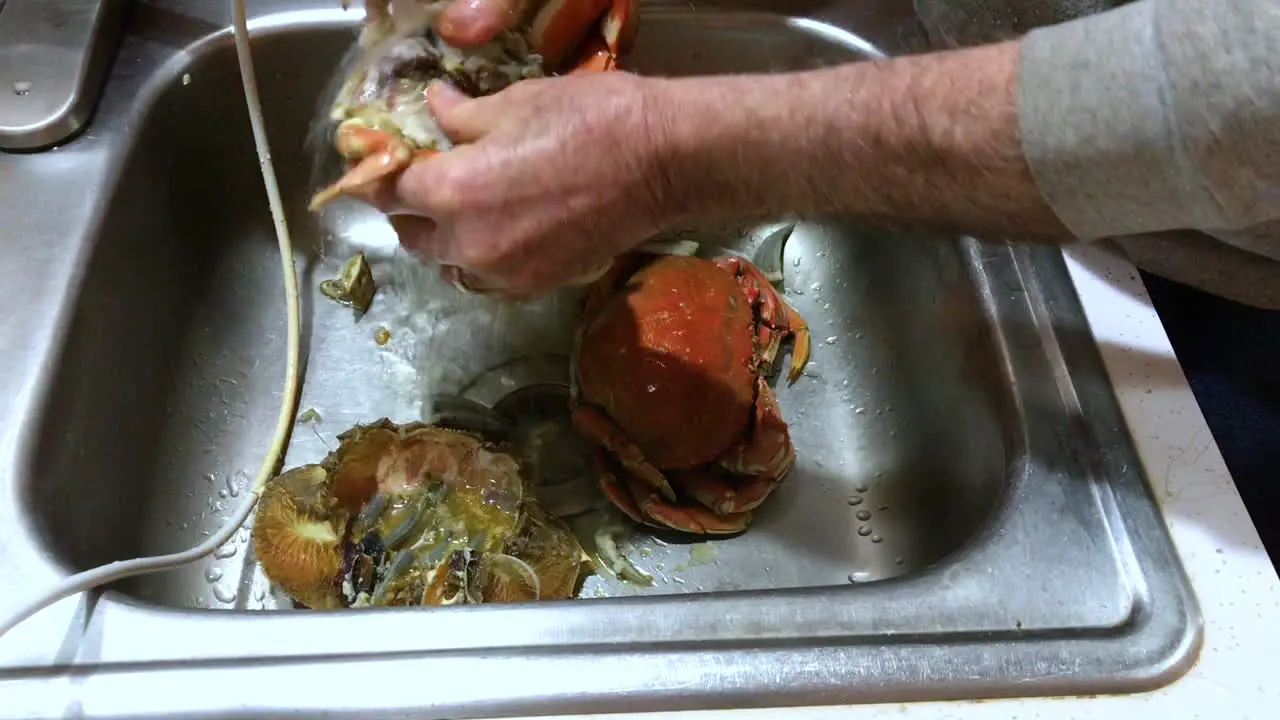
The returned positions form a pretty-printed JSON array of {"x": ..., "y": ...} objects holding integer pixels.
[{"x": 896, "y": 639}]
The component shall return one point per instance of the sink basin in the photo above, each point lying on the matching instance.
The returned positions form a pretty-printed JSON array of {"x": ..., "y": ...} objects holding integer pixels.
[{"x": 967, "y": 517}]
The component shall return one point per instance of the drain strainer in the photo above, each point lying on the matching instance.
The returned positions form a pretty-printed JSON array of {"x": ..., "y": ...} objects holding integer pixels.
[{"x": 531, "y": 396}]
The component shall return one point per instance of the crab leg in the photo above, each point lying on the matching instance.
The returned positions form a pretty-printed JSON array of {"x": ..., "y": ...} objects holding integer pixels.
[
  {"x": 724, "y": 494},
  {"x": 767, "y": 455},
  {"x": 639, "y": 501},
  {"x": 560, "y": 30},
  {"x": 382, "y": 155},
  {"x": 596, "y": 426}
]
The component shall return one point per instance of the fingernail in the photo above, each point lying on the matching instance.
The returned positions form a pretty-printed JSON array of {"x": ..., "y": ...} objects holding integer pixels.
[{"x": 443, "y": 95}]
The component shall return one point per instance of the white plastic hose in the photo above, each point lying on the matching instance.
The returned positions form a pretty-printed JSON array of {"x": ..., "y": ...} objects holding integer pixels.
[{"x": 99, "y": 576}]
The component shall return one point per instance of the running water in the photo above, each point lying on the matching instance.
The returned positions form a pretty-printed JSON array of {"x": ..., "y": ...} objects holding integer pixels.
[{"x": 449, "y": 337}]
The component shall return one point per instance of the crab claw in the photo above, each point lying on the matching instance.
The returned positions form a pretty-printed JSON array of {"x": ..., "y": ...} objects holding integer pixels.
[
  {"x": 380, "y": 154},
  {"x": 777, "y": 317},
  {"x": 584, "y": 35}
]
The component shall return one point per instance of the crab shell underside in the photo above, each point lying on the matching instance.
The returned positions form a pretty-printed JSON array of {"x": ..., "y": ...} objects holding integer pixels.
[{"x": 412, "y": 514}]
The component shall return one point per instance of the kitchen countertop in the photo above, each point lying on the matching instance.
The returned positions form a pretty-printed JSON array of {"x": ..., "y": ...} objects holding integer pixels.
[{"x": 1236, "y": 584}]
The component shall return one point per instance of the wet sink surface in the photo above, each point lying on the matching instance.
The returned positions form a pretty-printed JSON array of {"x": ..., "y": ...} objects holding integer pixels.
[
  {"x": 966, "y": 518},
  {"x": 902, "y": 452}
]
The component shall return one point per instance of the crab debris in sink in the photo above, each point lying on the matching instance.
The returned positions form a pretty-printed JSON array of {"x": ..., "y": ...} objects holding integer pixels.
[{"x": 413, "y": 514}]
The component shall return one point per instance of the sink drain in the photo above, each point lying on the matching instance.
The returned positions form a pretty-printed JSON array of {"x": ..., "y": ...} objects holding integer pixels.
[{"x": 531, "y": 396}]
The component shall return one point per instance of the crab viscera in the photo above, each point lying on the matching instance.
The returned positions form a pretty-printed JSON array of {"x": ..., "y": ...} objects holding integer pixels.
[
  {"x": 412, "y": 514},
  {"x": 381, "y": 115},
  {"x": 671, "y": 368}
]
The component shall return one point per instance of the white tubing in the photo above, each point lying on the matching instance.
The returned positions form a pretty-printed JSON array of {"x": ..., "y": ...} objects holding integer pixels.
[{"x": 96, "y": 577}]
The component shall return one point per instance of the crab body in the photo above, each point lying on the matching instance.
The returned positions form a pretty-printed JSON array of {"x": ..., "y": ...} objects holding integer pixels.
[
  {"x": 412, "y": 514},
  {"x": 381, "y": 115},
  {"x": 670, "y": 381}
]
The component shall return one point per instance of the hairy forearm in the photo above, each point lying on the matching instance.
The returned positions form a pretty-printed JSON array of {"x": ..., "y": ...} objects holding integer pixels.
[{"x": 926, "y": 141}]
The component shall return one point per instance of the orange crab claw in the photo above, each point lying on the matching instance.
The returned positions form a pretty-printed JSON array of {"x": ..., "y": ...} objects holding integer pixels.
[
  {"x": 377, "y": 154},
  {"x": 778, "y": 318},
  {"x": 594, "y": 33}
]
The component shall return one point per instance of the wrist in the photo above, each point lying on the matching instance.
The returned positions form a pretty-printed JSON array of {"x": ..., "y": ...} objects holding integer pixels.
[{"x": 709, "y": 143}]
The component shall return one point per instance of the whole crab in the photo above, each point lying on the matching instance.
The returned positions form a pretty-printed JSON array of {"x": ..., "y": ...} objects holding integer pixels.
[
  {"x": 670, "y": 380},
  {"x": 383, "y": 123},
  {"x": 412, "y": 514}
]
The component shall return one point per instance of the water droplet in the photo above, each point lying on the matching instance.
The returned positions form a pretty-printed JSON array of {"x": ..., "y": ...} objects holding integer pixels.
[
  {"x": 795, "y": 262},
  {"x": 864, "y": 530},
  {"x": 855, "y": 500},
  {"x": 858, "y": 336},
  {"x": 212, "y": 575},
  {"x": 209, "y": 477},
  {"x": 259, "y": 593},
  {"x": 242, "y": 534},
  {"x": 876, "y": 539},
  {"x": 651, "y": 388},
  {"x": 222, "y": 493},
  {"x": 224, "y": 595},
  {"x": 815, "y": 287},
  {"x": 863, "y": 514},
  {"x": 832, "y": 340},
  {"x": 844, "y": 383},
  {"x": 860, "y": 487},
  {"x": 232, "y": 488},
  {"x": 225, "y": 551},
  {"x": 899, "y": 561},
  {"x": 861, "y": 411},
  {"x": 22, "y": 87}
]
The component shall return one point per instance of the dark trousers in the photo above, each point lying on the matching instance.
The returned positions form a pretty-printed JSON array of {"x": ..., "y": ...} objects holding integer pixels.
[{"x": 1231, "y": 356}]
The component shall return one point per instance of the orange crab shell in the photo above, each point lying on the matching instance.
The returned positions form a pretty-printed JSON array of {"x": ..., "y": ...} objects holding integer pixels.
[
  {"x": 670, "y": 357},
  {"x": 669, "y": 374}
]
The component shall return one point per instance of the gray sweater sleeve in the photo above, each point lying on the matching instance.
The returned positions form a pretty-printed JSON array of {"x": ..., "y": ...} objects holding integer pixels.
[{"x": 1157, "y": 115}]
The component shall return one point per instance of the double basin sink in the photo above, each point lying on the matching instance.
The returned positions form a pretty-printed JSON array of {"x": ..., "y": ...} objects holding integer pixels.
[{"x": 967, "y": 517}]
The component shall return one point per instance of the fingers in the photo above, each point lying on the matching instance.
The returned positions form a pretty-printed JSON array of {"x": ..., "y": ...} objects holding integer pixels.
[{"x": 471, "y": 22}]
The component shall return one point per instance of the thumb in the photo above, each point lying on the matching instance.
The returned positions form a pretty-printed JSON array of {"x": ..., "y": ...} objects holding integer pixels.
[{"x": 458, "y": 115}]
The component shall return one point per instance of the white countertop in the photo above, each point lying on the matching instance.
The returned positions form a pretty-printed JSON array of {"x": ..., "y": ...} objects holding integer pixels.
[{"x": 1237, "y": 587}]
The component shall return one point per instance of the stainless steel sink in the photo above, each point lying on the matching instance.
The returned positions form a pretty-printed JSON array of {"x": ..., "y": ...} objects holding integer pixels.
[{"x": 967, "y": 518}]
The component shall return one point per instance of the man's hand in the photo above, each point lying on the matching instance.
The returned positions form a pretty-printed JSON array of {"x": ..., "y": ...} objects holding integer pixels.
[{"x": 551, "y": 179}]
